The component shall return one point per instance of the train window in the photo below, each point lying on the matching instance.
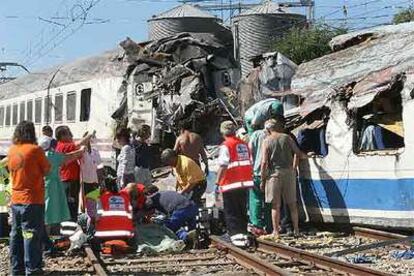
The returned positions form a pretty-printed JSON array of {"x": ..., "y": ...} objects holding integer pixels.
[
  {"x": 1, "y": 116},
  {"x": 8, "y": 115},
  {"x": 311, "y": 138},
  {"x": 71, "y": 106},
  {"x": 85, "y": 105},
  {"x": 47, "y": 110},
  {"x": 15, "y": 114},
  {"x": 22, "y": 111},
  {"x": 58, "y": 108},
  {"x": 38, "y": 111},
  {"x": 29, "y": 116},
  {"x": 379, "y": 124}
]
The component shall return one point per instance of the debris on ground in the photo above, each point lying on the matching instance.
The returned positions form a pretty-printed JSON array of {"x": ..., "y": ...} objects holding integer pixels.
[{"x": 153, "y": 239}]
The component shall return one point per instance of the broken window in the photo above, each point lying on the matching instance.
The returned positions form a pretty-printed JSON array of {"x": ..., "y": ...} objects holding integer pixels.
[
  {"x": 8, "y": 115},
  {"x": 22, "y": 111},
  {"x": 312, "y": 136},
  {"x": 38, "y": 110},
  {"x": 1, "y": 116},
  {"x": 29, "y": 111},
  {"x": 85, "y": 105},
  {"x": 379, "y": 124},
  {"x": 58, "y": 107},
  {"x": 71, "y": 106},
  {"x": 15, "y": 114}
]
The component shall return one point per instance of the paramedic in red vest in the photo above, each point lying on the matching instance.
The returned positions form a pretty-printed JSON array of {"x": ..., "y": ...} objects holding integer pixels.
[
  {"x": 114, "y": 220},
  {"x": 234, "y": 177},
  {"x": 136, "y": 192}
]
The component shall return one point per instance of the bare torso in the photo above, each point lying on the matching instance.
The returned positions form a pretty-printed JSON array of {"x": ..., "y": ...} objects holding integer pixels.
[{"x": 190, "y": 144}]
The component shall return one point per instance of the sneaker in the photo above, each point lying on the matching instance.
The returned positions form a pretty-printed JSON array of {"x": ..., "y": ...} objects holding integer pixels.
[{"x": 240, "y": 240}]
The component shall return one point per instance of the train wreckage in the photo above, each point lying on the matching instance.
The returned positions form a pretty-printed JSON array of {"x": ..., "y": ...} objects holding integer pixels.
[{"x": 351, "y": 108}]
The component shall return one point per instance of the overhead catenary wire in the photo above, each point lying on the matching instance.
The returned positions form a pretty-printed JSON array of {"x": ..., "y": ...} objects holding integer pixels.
[{"x": 60, "y": 36}]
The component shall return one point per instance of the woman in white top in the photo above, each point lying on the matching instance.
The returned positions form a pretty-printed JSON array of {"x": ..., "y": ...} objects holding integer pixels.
[
  {"x": 91, "y": 170},
  {"x": 126, "y": 159}
]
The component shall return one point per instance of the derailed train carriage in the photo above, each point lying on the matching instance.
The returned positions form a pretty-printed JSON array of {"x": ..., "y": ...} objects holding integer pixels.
[
  {"x": 366, "y": 89},
  {"x": 157, "y": 83}
]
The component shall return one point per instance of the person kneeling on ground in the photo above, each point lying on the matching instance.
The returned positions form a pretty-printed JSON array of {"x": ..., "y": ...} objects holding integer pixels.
[
  {"x": 180, "y": 210},
  {"x": 114, "y": 216},
  {"x": 190, "y": 178}
]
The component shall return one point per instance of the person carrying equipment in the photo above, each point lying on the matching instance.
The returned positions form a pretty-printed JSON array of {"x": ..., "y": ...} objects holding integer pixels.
[{"x": 260, "y": 112}]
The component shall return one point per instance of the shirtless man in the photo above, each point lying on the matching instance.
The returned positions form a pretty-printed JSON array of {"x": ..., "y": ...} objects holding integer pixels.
[{"x": 191, "y": 145}]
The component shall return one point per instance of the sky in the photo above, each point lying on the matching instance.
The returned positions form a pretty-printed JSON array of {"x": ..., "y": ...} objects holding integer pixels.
[{"x": 42, "y": 33}]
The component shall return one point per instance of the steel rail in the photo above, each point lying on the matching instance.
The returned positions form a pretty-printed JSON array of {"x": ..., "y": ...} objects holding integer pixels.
[
  {"x": 376, "y": 234},
  {"x": 317, "y": 260},
  {"x": 248, "y": 260},
  {"x": 99, "y": 269}
]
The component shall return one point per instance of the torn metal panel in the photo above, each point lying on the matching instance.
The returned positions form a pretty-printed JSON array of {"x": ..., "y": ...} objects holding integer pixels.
[
  {"x": 272, "y": 76},
  {"x": 175, "y": 79},
  {"x": 370, "y": 65}
]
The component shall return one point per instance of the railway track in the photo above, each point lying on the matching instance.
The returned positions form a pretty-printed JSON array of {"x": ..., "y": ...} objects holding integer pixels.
[{"x": 268, "y": 258}]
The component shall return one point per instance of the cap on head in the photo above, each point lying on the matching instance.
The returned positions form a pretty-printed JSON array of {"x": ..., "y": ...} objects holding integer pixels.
[{"x": 228, "y": 128}]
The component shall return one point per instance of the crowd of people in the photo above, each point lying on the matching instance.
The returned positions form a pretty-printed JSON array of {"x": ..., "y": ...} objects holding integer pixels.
[{"x": 56, "y": 179}]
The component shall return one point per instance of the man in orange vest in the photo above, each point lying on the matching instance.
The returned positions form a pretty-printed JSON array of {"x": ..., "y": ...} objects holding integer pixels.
[
  {"x": 114, "y": 219},
  {"x": 234, "y": 177}
]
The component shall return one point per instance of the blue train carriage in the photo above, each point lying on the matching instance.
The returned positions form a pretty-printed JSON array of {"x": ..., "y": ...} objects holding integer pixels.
[{"x": 359, "y": 102}]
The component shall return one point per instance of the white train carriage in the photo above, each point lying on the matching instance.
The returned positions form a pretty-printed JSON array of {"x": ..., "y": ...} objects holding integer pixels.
[
  {"x": 367, "y": 176},
  {"x": 82, "y": 95}
]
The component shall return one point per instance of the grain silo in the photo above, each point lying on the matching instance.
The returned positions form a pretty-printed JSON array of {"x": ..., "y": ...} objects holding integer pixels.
[
  {"x": 186, "y": 18},
  {"x": 255, "y": 31}
]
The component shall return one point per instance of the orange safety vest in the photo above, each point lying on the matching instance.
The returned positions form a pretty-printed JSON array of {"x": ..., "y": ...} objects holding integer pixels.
[
  {"x": 140, "y": 202},
  {"x": 239, "y": 173},
  {"x": 114, "y": 218}
]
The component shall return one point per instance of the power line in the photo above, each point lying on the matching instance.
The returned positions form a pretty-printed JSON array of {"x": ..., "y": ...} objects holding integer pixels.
[{"x": 60, "y": 36}]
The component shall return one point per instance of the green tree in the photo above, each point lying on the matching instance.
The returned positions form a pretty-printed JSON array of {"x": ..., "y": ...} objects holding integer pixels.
[
  {"x": 403, "y": 16},
  {"x": 304, "y": 44}
]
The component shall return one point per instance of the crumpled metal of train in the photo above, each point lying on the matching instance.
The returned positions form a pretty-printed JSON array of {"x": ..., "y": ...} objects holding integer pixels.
[
  {"x": 272, "y": 77},
  {"x": 181, "y": 67},
  {"x": 366, "y": 63}
]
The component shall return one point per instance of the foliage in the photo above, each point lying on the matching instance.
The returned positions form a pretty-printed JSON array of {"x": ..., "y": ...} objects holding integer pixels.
[
  {"x": 403, "y": 16},
  {"x": 304, "y": 44}
]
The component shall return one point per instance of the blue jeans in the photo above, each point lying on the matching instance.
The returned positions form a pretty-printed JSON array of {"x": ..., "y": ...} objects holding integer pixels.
[
  {"x": 182, "y": 217},
  {"x": 26, "y": 238}
]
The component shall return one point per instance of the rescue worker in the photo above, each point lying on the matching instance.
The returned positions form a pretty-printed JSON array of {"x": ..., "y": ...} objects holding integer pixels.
[
  {"x": 137, "y": 199},
  {"x": 234, "y": 178},
  {"x": 180, "y": 210},
  {"x": 255, "y": 118},
  {"x": 259, "y": 211},
  {"x": 191, "y": 145},
  {"x": 114, "y": 216},
  {"x": 257, "y": 114},
  {"x": 191, "y": 180}
]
